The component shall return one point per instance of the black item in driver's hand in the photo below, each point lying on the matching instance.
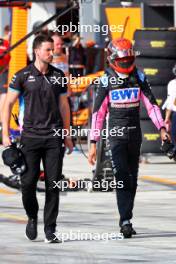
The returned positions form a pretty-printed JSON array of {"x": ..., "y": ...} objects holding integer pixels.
[
  {"x": 169, "y": 149},
  {"x": 14, "y": 158}
]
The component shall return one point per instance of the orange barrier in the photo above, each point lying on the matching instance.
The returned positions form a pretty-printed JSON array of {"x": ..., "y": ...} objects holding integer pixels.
[
  {"x": 81, "y": 117},
  {"x": 19, "y": 54}
]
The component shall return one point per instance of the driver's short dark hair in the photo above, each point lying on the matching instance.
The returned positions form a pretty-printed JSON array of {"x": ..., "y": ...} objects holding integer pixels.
[{"x": 40, "y": 39}]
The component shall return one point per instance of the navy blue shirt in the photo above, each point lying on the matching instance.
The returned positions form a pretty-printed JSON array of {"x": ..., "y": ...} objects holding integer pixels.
[{"x": 41, "y": 99}]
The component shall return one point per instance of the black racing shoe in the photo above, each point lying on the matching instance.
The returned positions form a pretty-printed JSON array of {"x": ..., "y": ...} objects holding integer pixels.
[
  {"x": 51, "y": 236},
  {"x": 127, "y": 230},
  {"x": 134, "y": 231},
  {"x": 31, "y": 229},
  {"x": 128, "y": 222}
]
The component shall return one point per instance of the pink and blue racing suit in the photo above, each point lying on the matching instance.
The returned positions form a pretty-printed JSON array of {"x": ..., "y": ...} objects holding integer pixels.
[{"x": 121, "y": 100}]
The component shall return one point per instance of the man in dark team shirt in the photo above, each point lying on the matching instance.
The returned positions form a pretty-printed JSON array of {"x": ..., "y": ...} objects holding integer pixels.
[{"x": 46, "y": 110}]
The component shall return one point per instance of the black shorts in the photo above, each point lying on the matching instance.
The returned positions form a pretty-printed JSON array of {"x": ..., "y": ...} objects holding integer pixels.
[{"x": 3, "y": 82}]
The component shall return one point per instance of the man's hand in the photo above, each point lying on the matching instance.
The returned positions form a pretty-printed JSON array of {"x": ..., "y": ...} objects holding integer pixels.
[
  {"x": 167, "y": 121},
  {"x": 92, "y": 154},
  {"x": 6, "y": 141},
  {"x": 68, "y": 144},
  {"x": 164, "y": 135},
  {"x": 11, "y": 97}
]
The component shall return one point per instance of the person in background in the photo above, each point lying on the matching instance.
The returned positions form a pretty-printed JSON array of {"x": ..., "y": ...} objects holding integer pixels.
[
  {"x": 170, "y": 106},
  {"x": 4, "y": 65},
  {"x": 60, "y": 59},
  {"x": 76, "y": 57},
  {"x": 7, "y": 33}
]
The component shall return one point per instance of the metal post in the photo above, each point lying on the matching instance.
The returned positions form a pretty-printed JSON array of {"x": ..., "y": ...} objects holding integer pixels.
[{"x": 89, "y": 14}]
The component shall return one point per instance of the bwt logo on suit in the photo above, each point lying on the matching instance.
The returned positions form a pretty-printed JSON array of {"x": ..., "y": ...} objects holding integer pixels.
[{"x": 125, "y": 95}]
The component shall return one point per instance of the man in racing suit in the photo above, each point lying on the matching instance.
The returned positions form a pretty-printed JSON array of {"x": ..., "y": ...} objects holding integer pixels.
[{"x": 119, "y": 93}]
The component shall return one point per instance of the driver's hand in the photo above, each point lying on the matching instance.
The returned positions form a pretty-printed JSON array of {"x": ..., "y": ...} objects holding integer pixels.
[
  {"x": 92, "y": 154},
  {"x": 164, "y": 135}
]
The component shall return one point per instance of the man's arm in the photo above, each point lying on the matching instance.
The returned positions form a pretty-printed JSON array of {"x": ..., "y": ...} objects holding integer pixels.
[
  {"x": 168, "y": 113},
  {"x": 153, "y": 108},
  {"x": 65, "y": 114},
  {"x": 11, "y": 98},
  {"x": 168, "y": 118},
  {"x": 169, "y": 103}
]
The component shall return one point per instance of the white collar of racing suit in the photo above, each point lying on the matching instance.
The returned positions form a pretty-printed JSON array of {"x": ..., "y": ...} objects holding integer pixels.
[{"x": 122, "y": 75}]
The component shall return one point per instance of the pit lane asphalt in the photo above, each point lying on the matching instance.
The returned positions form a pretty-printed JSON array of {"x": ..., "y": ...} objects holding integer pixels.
[{"x": 95, "y": 214}]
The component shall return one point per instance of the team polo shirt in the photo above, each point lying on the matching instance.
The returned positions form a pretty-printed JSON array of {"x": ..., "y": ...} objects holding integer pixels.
[
  {"x": 41, "y": 99},
  {"x": 170, "y": 102}
]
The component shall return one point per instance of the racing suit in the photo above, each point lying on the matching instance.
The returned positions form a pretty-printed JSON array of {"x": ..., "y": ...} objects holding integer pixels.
[{"x": 121, "y": 100}]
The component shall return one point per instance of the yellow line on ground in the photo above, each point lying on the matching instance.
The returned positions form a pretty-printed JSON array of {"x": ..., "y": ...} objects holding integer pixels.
[
  {"x": 5, "y": 191},
  {"x": 157, "y": 180},
  {"x": 9, "y": 216}
]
